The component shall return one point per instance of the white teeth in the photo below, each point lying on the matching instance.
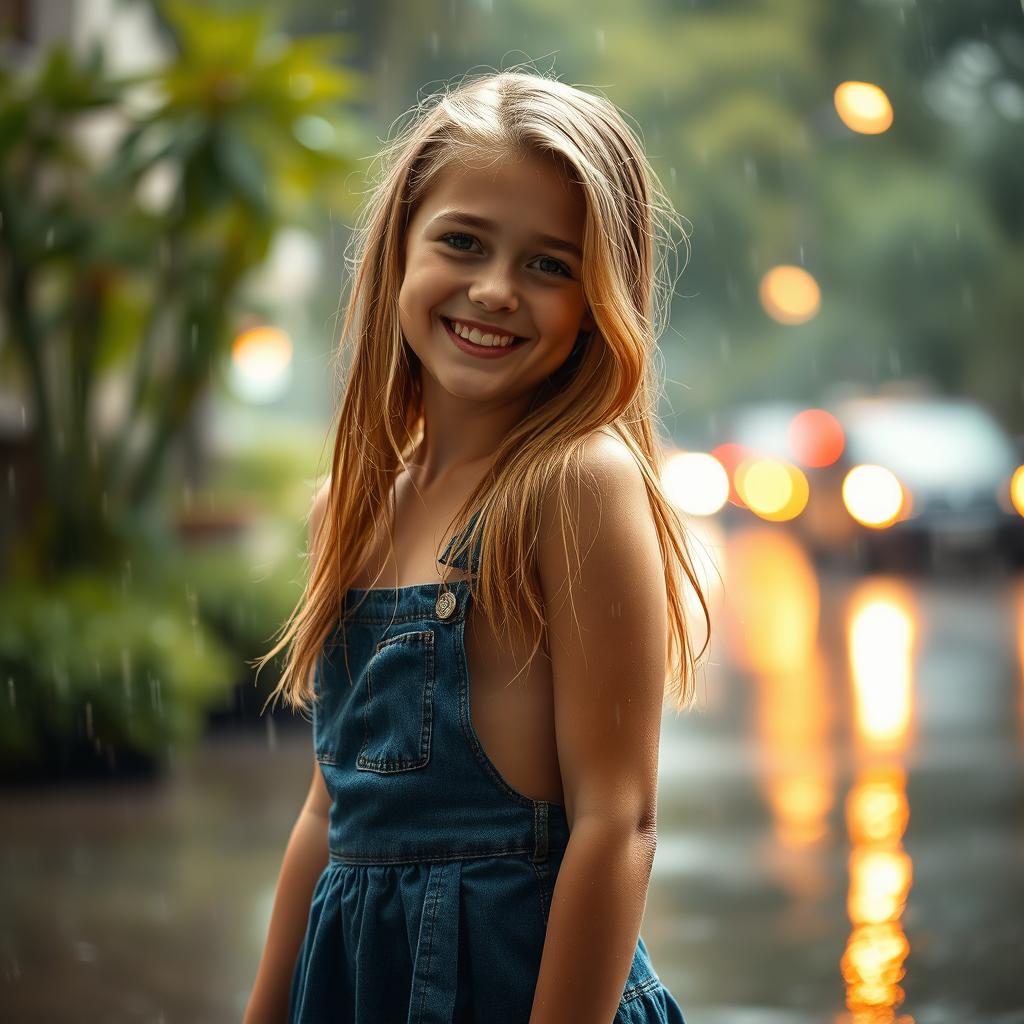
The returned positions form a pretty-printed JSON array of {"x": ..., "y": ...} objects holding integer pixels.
[{"x": 479, "y": 338}]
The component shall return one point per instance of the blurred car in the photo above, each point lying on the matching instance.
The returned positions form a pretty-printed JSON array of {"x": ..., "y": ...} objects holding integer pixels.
[{"x": 887, "y": 479}]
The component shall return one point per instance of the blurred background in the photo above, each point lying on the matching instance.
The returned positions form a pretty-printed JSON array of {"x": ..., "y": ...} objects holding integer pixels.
[{"x": 841, "y": 825}]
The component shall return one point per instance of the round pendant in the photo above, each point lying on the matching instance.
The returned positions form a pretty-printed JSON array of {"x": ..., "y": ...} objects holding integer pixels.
[{"x": 445, "y": 604}]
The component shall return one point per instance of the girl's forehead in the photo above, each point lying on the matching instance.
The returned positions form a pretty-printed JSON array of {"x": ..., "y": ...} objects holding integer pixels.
[{"x": 516, "y": 183}]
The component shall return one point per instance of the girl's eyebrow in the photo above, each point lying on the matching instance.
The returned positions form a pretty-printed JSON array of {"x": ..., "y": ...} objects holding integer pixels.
[{"x": 471, "y": 220}]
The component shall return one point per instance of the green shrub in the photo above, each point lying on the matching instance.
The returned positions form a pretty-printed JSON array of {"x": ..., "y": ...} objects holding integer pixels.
[{"x": 91, "y": 669}]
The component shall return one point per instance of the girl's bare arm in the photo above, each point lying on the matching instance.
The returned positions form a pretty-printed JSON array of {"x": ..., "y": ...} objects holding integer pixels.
[
  {"x": 608, "y": 648},
  {"x": 304, "y": 860}
]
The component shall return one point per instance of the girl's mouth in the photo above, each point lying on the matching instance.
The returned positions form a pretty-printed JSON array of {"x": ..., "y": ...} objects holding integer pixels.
[{"x": 483, "y": 351}]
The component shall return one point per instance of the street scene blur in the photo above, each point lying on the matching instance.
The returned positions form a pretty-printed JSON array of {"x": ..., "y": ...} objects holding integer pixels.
[{"x": 841, "y": 823}]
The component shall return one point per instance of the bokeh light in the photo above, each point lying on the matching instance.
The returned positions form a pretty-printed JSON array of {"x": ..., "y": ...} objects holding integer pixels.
[
  {"x": 789, "y": 295},
  {"x": 863, "y": 107},
  {"x": 696, "y": 482},
  {"x": 260, "y": 363},
  {"x": 816, "y": 438},
  {"x": 873, "y": 495}
]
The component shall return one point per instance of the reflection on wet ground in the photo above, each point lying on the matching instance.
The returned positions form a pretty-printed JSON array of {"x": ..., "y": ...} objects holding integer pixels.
[{"x": 841, "y": 829}]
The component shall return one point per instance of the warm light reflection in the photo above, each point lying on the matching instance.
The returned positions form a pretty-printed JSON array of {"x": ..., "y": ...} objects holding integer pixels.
[
  {"x": 873, "y": 495},
  {"x": 789, "y": 295},
  {"x": 882, "y": 637},
  {"x": 730, "y": 455},
  {"x": 696, "y": 482},
  {"x": 880, "y": 878},
  {"x": 1017, "y": 489},
  {"x": 260, "y": 361},
  {"x": 863, "y": 107},
  {"x": 772, "y": 489},
  {"x": 775, "y": 638},
  {"x": 815, "y": 438}
]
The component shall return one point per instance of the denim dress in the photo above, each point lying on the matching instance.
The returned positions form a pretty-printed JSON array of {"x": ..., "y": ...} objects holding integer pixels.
[{"x": 433, "y": 906}]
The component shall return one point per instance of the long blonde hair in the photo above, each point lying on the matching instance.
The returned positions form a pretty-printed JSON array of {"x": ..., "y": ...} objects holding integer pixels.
[{"x": 608, "y": 382}]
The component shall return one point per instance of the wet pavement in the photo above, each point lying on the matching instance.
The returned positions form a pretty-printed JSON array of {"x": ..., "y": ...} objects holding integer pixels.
[{"x": 841, "y": 826}]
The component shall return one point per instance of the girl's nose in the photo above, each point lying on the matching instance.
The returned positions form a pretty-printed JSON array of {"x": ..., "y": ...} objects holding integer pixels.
[{"x": 494, "y": 289}]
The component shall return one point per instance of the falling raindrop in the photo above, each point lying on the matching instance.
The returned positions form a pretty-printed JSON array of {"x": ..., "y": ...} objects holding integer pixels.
[
  {"x": 11, "y": 696},
  {"x": 60, "y": 680},
  {"x": 599, "y": 39},
  {"x": 956, "y": 229},
  {"x": 49, "y": 237},
  {"x": 195, "y": 335},
  {"x": 154, "y": 695},
  {"x": 435, "y": 43},
  {"x": 894, "y": 360},
  {"x": 126, "y": 676},
  {"x": 271, "y": 733},
  {"x": 803, "y": 259}
]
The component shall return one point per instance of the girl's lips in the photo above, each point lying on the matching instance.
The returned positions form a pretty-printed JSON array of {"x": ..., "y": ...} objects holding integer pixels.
[{"x": 481, "y": 351}]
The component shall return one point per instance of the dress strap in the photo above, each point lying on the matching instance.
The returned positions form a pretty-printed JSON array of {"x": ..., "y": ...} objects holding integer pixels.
[{"x": 459, "y": 559}]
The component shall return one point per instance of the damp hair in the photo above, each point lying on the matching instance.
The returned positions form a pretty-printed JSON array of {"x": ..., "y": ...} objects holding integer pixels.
[{"x": 609, "y": 382}]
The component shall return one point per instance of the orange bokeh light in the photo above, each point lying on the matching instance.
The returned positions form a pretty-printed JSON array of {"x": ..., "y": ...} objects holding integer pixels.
[
  {"x": 816, "y": 438},
  {"x": 789, "y": 295},
  {"x": 863, "y": 107}
]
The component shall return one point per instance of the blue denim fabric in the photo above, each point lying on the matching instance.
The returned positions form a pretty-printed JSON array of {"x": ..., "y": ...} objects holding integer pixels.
[{"x": 434, "y": 904}]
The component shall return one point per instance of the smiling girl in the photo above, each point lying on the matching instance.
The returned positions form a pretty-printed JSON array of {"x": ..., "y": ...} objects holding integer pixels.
[{"x": 494, "y": 605}]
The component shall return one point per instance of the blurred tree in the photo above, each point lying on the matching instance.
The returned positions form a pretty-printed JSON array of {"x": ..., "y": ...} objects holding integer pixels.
[{"x": 120, "y": 271}]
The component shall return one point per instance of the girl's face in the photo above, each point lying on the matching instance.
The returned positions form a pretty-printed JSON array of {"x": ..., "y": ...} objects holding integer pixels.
[{"x": 495, "y": 246}]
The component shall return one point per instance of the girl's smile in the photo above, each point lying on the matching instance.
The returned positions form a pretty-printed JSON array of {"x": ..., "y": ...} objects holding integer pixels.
[{"x": 478, "y": 342}]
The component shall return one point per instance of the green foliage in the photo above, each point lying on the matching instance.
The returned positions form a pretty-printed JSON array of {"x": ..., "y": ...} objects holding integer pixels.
[
  {"x": 251, "y": 129},
  {"x": 93, "y": 668}
]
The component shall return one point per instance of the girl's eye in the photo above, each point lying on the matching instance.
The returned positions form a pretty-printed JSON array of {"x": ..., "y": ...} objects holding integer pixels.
[
  {"x": 454, "y": 240},
  {"x": 459, "y": 236},
  {"x": 560, "y": 268}
]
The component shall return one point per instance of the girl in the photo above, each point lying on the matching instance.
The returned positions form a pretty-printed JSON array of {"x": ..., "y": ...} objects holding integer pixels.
[{"x": 478, "y": 836}]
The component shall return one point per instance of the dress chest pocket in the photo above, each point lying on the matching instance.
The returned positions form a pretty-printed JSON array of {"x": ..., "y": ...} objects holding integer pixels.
[{"x": 398, "y": 704}]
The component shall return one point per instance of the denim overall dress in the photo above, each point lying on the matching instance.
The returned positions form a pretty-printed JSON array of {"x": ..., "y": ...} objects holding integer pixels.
[{"x": 433, "y": 906}]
